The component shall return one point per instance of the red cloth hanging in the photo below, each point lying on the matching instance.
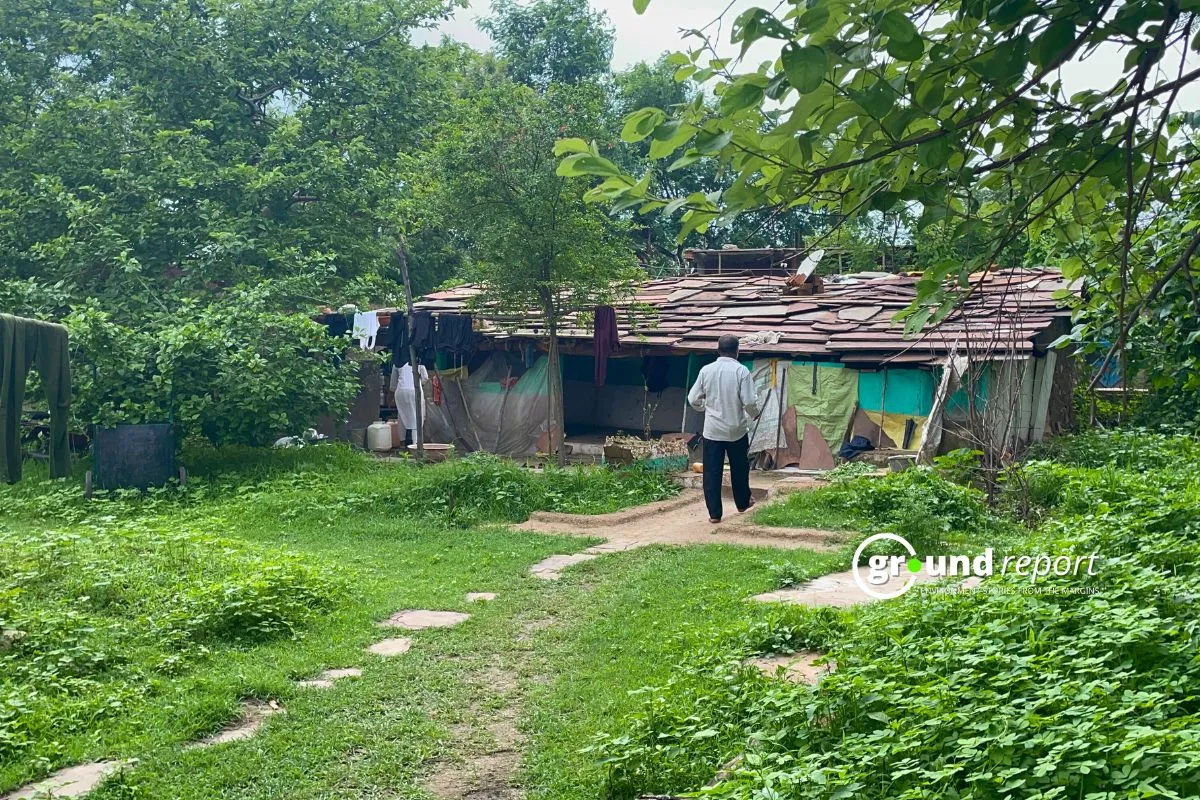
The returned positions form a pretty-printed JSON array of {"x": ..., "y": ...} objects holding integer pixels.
[{"x": 605, "y": 341}]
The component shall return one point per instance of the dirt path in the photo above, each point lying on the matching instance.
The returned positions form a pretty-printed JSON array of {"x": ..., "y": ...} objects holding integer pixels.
[
  {"x": 682, "y": 520},
  {"x": 489, "y": 745}
]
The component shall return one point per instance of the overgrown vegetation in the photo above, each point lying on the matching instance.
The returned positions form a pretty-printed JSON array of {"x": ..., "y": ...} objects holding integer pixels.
[
  {"x": 236, "y": 373},
  {"x": 330, "y": 482},
  {"x": 918, "y": 503},
  {"x": 152, "y": 611},
  {"x": 479, "y": 488},
  {"x": 94, "y": 617},
  {"x": 941, "y": 694}
]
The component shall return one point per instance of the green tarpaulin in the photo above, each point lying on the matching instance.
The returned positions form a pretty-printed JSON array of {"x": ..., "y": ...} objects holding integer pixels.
[{"x": 824, "y": 395}]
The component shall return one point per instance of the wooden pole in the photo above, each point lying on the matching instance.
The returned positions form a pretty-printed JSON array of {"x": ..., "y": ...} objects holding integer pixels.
[
  {"x": 558, "y": 427},
  {"x": 419, "y": 393}
]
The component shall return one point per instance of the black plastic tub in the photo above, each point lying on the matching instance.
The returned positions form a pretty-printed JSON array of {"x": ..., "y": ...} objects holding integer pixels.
[{"x": 134, "y": 456}]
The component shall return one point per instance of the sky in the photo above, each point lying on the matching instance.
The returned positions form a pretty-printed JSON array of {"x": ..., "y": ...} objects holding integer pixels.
[
  {"x": 639, "y": 37},
  {"x": 644, "y": 37}
]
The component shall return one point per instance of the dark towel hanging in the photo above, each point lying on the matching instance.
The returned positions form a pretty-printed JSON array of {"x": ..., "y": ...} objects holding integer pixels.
[
  {"x": 424, "y": 336},
  {"x": 27, "y": 344},
  {"x": 455, "y": 337},
  {"x": 335, "y": 325},
  {"x": 399, "y": 339},
  {"x": 654, "y": 372}
]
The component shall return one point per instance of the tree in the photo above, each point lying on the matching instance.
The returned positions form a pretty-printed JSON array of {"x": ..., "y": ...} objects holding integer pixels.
[
  {"x": 551, "y": 41},
  {"x": 184, "y": 181},
  {"x": 533, "y": 242},
  {"x": 655, "y": 85},
  {"x": 154, "y": 152},
  {"x": 932, "y": 108}
]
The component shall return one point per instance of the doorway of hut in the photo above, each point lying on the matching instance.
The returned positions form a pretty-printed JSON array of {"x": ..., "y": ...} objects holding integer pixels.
[{"x": 641, "y": 395}]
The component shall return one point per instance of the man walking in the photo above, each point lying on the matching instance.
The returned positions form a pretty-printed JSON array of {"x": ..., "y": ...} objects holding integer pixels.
[{"x": 725, "y": 393}]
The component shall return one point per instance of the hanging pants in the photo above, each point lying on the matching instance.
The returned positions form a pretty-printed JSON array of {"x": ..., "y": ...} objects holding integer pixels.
[
  {"x": 739, "y": 473},
  {"x": 27, "y": 344}
]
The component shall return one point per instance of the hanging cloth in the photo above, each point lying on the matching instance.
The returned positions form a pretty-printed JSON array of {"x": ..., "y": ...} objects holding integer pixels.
[
  {"x": 398, "y": 328},
  {"x": 366, "y": 328},
  {"x": 26, "y": 344},
  {"x": 424, "y": 336},
  {"x": 455, "y": 337},
  {"x": 655, "y": 373},
  {"x": 825, "y": 396},
  {"x": 335, "y": 325},
  {"x": 605, "y": 341}
]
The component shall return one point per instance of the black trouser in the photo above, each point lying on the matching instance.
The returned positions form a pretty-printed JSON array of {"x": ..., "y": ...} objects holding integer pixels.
[{"x": 739, "y": 473}]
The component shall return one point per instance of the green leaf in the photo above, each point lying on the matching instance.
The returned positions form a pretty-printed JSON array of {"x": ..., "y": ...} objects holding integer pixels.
[
  {"x": 712, "y": 142},
  {"x": 805, "y": 66},
  {"x": 935, "y": 153},
  {"x": 906, "y": 50},
  {"x": 685, "y": 160},
  {"x": 641, "y": 123},
  {"x": 669, "y": 137},
  {"x": 564, "y": 146},
  {"x": 896, "y": 26},
  {"x": 587, "y": 164},
  {"x": 812, "y": 19},
  {"x": 755, "y": 23},
  {"x": 1054, "y": 42},
  {"x": 741, "y": 95},
  {"x": 878, "y": 100}
]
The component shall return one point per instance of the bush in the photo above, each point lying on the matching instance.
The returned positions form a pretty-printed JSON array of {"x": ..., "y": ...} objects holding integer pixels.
[
  {"x": 1132, "y": 449},
  {"x": 231, "y": 372},
  {"x": 916, "y": 503},
  {"x": 487, "y": 488}
]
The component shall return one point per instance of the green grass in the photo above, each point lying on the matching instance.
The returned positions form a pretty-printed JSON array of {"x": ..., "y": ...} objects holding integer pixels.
[
  {"x": 141, "y": 634},
  {"x": 928, "y": 510},
  {"x": 639, "y": 617},
  {"x": 812, "y": 509}
]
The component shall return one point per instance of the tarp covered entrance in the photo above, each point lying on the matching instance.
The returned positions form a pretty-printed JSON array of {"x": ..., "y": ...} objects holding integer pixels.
[{"x": 500, "y": 407}]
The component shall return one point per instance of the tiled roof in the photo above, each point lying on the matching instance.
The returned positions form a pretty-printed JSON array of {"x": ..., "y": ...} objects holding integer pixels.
[{"x": 851, "y": 320}]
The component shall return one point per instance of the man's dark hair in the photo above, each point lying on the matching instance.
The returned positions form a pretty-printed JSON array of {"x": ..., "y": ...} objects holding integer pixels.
[{"x": 727, "y": 345}]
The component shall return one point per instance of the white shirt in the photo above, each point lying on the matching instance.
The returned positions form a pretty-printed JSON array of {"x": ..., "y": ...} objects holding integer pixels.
[
  {"x": 724, "y": 391},
  {"x": 404, "y": 378},
  {"x": 366, "y": 326}
]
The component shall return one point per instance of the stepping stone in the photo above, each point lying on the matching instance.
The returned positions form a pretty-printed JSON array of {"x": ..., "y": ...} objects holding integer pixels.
[
  {"x": 254, "y": 716},
  {"x": 799, "y": 667},
  {"x": 391, "y": 647},
  {"x": 478, "y": 597},
  {"x": 73, "y": 781},
  {"x": 325, "y": 679},
  {"x": 839, "y": 589},
  {"x": 550, "y": 569},
  {"x": 419, "y": 619}
]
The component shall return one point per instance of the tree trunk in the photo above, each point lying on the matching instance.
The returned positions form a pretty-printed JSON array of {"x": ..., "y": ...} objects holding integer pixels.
[{"x": 419, "y": 394}]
